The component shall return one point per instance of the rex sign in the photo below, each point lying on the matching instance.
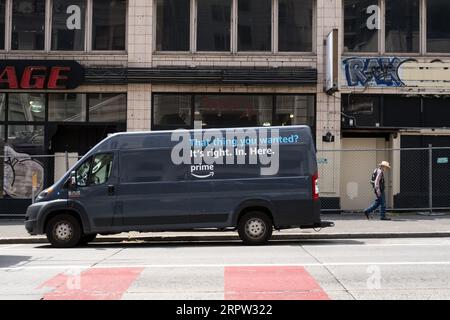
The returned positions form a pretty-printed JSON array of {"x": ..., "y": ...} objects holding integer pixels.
[{"x": 40, "y": 74}]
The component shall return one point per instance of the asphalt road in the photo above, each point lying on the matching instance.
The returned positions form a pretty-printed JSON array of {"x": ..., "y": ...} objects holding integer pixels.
[{"x": 310, "y": 269}]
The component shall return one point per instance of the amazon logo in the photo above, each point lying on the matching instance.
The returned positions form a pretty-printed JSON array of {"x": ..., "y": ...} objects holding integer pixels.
[{"x": 202, "y": 171}]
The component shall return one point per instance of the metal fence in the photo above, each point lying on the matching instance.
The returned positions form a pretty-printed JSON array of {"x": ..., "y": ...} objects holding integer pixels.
[{"x": 419, "y": 179}]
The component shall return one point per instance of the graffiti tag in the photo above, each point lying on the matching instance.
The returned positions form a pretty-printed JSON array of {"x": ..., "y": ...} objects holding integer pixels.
[{"x": 370, "y": 72}]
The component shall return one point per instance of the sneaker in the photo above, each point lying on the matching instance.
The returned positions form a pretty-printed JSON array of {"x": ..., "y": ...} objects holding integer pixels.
[{"x": 385, "y": 218}]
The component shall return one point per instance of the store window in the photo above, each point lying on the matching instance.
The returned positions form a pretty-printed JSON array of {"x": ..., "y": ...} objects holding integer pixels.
[
  {"x": 28, "y": 25},
  {"x": 213, "y": 25},
  {"x": 219, "y": 111},
  {"x": 295, "y": 25},
  {"x": 172, "y": 28},
  {"x": 108, "y": 24},
  {"x": 26, "y": 107},
  {"x": 2, "y": 106},
  {"x": 107, "y": 107},
  {"x": 360, "y": 26},
  {"x": 67, "y": 107},
  {"x": 26, "y": 137},
  {"x": 402, "y": 26},
  {"x": 438, "y": 27},
  {"x": 294, "y": 110},
  {"x": 172, "y": 111},
  {"x": 254, "y": 25},
  {"x": 68, "y": 25},
  {"x": 2, "y": 24},
  {"x": 2, "y": 134}
]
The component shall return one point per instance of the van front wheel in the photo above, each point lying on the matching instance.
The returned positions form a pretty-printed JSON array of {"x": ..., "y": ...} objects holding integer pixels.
[
  {"x": 255, "y": 228},
  {"x": 63, "y": 231}
]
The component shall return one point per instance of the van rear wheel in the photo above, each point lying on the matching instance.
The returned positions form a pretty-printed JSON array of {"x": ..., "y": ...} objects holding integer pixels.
[
  {"x": 255, "y": 228},
  {"x": 63, "y": 231}
]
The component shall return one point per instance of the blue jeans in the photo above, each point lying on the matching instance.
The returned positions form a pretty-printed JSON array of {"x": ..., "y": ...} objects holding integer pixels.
[{"x": 379, "y": 202}]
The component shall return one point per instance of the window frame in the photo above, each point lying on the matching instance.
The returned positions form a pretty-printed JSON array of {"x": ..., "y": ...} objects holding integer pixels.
[
  {"x": 88, "y": 37},
  {"x": 90, "y": 159},
  {"x": 234, "y": 34}
]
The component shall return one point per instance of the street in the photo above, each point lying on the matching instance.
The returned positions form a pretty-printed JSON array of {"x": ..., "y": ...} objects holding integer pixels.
[{"x": 295, "y": 270}]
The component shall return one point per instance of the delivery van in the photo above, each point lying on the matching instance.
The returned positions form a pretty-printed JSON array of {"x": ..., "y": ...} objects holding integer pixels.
[{"x": 252, "y": 180}]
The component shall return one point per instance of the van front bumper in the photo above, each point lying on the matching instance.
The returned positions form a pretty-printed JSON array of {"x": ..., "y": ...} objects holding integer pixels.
[{"x": 31, "y": 219}]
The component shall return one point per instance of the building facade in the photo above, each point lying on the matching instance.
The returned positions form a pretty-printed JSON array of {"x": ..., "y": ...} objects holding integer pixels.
[{"x": 164, "y": 64}]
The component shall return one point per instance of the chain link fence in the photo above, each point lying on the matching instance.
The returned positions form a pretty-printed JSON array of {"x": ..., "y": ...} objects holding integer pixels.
[{"x": 419, "y": 179}]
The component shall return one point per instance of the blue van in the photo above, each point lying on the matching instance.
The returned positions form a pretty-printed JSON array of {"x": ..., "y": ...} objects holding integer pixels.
[{"x": 252, "y": 180}]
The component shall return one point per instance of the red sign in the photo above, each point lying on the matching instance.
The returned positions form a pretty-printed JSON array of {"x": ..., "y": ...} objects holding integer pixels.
[{"x": 30, "y": 74}]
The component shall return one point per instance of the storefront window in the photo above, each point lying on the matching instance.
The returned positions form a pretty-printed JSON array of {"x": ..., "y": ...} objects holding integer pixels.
[
  {"x": 402, "y": 25},
  {"x": 295, "y": 25},
  {"x": 68, "y": 25},
  {"x": 172, "y": 111},
  {"x": 218, "y": 111},
  {"x": 28, "y": 25},
  {"x": 66, "y": 107},
  {"x": 213, "y": 25},
  {"x": 254, "y": 25},
  {"x": 2, "y": 134},
  {"x": 108, "y": 24},
  {"x": 172, "y": 27},
  {"x": 294, "y": 110},
  {"x": 2, "y": 24},
  {"x": 360, "y": 26},
  {"x": 26, "y": 107},
  {"x": 107, "y": 107},
  {"x": 2, "y": 106},
  {"x": 438, "y": 28},
  {"x": 24, "y": 138}
]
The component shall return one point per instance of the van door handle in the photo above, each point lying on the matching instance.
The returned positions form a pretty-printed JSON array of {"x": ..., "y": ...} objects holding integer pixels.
[{"x": 111, "y": 190}]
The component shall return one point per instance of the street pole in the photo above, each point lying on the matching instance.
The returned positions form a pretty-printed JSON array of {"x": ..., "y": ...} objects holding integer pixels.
[{"x": 430, "y": 176}]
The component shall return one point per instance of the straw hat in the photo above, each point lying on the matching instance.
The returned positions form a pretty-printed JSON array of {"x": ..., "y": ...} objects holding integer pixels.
[{"x": 385, "y": 164}]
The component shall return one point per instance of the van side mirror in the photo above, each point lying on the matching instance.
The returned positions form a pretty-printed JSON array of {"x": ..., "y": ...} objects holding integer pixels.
[{"x": 72, "y": 182}]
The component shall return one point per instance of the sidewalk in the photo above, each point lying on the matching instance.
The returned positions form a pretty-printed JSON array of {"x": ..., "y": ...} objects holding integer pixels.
[{"x": 347, "y": 226}]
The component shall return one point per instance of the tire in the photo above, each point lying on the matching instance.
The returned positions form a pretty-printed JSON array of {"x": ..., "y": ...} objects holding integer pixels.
[
  {"x": 63, "y": 231},
  {"x": 86, "y": 238},
  {"x": 255, "y": 228}
]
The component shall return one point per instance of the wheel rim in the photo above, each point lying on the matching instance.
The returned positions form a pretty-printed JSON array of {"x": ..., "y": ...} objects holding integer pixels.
[
  {"x": 63, "y": 231},
  {"x": 255, "y": 228}
]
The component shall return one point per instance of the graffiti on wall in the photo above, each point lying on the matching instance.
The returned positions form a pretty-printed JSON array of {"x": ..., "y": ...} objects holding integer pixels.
[
  {"x": 370, "y": 72},
  {"x": 18, "y": 172},
  {"x": 396, "y": 72}
]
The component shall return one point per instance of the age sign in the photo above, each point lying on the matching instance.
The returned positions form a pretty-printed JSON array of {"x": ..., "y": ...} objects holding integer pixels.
[{"x": 35, "y": 74}]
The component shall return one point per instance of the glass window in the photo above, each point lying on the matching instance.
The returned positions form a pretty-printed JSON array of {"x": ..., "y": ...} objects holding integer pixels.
[
  {"x": 82, "y": 173},
  {"x": 172, "y": 111},
  {"x": 361, "y": 110},
  {"x": 360, "y": 27},
  {"x": 254, "y": 25},
  {"x": 438, "y": 28},
  {"x": 101, "y": 169},
  {"x": 68, "y": 25},
  {"x": 66, "y": 107},
  {"x": 2, "y": 106},
  {"x": 219, "y": 111},
  {"x": 402, "y": 25},
  {"x": 108, "y": 24},
  {"x": 2, "y": 133},
  {"x": 172, "y": 25},
  {"x": 2, "y": 24},
  {"x": 213, "y": 25},
  {"x": 294, "y": 110},
  {"x": 26, "y": 107},
  {"x": 28, "y": 25},
  {"x": 107, "y": 107},
  {"x": 26, "y": 137},
  {"x": 295, "y": 25}
]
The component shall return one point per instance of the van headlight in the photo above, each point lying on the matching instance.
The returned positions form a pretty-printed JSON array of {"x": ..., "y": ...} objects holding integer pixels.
[{"x": 44, "y": 194}]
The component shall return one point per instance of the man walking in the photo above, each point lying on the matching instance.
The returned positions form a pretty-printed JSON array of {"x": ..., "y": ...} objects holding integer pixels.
[{"x": 379, "y": 187}]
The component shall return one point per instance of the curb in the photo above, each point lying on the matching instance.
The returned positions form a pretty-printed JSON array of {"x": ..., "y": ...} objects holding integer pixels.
[{"x": 325, "y": 236}]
